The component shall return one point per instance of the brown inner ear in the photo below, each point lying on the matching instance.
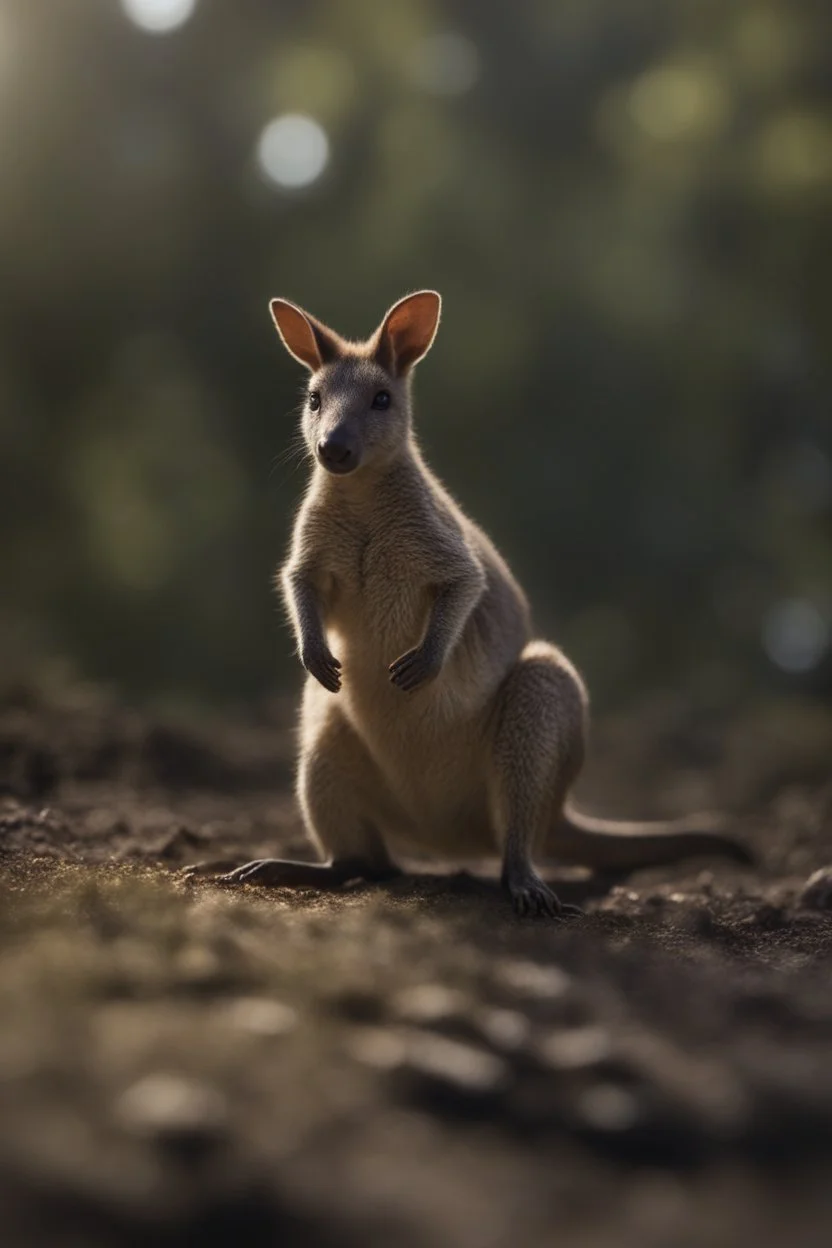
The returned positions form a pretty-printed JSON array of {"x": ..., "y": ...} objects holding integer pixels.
[
  {"x": 407, "y": 332},
  {"x": 304, "y": 337}
]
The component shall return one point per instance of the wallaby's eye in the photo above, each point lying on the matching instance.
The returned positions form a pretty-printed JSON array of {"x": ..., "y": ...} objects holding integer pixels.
[
  {"x": 382, "y": 400},
  {"x": 314, "y": 401}
]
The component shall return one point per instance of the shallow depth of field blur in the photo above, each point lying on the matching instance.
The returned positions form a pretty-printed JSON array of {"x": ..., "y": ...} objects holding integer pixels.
[{"x": 627, "y": 206}]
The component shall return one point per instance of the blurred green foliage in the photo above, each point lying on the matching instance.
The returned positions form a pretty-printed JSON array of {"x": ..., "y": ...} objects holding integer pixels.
[{"x": 628, "y": 208}]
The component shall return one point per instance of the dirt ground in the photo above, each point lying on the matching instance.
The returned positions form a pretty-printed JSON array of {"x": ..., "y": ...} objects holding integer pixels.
[{"x": 408, "y": 1064}]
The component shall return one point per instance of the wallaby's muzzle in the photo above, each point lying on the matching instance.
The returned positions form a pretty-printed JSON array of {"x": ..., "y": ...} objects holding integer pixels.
[{"x": 338, "y": 453}]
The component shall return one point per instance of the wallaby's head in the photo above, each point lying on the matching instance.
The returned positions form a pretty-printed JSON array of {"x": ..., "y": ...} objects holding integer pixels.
[{"x": 357, "y": 406}]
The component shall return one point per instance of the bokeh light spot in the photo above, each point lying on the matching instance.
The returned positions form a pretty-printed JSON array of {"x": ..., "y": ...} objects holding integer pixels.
[
  {"x": 445, "y": 64},
  {"x": 794, "y": 152},
  {"x": 795, "y": 635},
  {"x": 158, "y": 16},
  {"x": 293, "y": 150},
  {"x": 672, "y": 103}
]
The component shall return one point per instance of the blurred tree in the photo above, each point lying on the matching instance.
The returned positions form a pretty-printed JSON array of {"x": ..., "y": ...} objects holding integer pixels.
[{"x": 627, "y": 208}]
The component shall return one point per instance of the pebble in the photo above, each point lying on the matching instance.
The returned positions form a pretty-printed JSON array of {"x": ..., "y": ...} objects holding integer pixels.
[
  {"x": 816, "y": 893},
  {"x": 609, "y": 1108},
  {"x": 505, "y": 1029},
  {"x": 436, "y": 1058},
  {"x": 380, "y": 1047},
  {"x": 449, "y": 1061},
  {"x": 533, "y": 980},
  {"x": 260, "y": 1016},
  {"x": 429, "y": 1003},
  {"x": 181, "y": 1113},
  {"x": 198, "y": 967},
  {"x": 576, "y": 1048}
]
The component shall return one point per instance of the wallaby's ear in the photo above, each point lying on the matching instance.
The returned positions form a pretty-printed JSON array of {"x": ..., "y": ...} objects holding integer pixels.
[
  {"x": 407, "y": 331},
  {"x": 310, "y": 342}
]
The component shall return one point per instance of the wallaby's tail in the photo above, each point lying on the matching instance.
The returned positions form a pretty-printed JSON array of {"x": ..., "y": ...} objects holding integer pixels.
[{"x": 609, "y": 845}]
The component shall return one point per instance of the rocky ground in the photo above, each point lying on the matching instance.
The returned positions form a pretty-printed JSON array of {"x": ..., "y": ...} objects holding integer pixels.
[{"x": 407, "y": 1064}]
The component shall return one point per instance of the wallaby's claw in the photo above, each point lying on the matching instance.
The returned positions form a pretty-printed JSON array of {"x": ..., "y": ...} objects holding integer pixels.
[
  {"x": 414, "y": 668},
  {"x": 261, "y": 871},
  {"x": 531, "y": 896},
  {"x": 324, "y": 666},
  {"x": 206, "y": 870}
]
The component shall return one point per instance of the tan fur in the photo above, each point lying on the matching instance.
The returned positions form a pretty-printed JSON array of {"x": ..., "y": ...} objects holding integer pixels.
[{"x": 431, "y": 720}]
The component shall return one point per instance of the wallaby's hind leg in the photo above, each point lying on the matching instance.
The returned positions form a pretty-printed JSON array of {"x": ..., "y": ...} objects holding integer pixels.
[
  {"x": 538, "y": 749},
  {"x": 337, "y": 784}
]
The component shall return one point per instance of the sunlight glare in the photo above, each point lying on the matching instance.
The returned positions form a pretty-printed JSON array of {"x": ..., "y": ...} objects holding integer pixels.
[
  {"x": 670, "y": 103},
  {"x": 158, "y": 17},
  {"x": 293, "y": 150},
  {"x": 795, "y": 635}
]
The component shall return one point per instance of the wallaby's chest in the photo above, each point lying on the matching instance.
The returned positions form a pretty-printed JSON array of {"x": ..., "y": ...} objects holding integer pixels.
[{"x": 378, "y": 593}]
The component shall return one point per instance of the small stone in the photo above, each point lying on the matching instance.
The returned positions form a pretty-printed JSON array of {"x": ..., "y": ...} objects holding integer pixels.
[
  {"x": 447, "y": 1061},
  {"x": 609, "y": 1108},
  {"x": 435, "y": 1058},
  {"x": 380, "y": 1047},
  {"x": 179, "y": 1113},
  {"x": 260, "y": 1016},
  {"x": 505, "y": 1029},
  {"x": 576, "y": 1047},
  {"x": 534, "y": 980},
  {"x": 816, "y": 893},
  {"x": 705, "y": 880},
  {"x": 429, "y": 1003},
  {"x": 618, "y": 894},
  {"x": 197, "y": 966}
]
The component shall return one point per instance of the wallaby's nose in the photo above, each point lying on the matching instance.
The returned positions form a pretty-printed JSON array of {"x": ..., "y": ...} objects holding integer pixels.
[{"x": 336, "y": 454}]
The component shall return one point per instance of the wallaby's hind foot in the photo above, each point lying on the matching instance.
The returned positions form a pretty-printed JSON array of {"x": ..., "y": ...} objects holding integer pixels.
[
  {"x": 334, "y": 776},
  {"x": 286, "y": 873},
  {"x": 207, "y": 870},
  {"x": 530, "y": 895}
]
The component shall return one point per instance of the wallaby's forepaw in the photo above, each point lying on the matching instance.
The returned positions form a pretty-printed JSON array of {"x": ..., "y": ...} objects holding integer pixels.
[
  {"x": 532, "y": 896},
  {"x": 415, "y": 668},
  {"x": 323, "y": 665}
]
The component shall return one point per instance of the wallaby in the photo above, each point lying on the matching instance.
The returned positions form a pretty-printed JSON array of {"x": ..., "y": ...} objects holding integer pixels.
[{"x": 430, "y": 718}]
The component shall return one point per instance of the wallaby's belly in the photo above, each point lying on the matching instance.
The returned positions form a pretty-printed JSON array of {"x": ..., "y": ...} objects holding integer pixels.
[
  {"x": 437, "y": 778},
  {"x": 430, "y": 746}
]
